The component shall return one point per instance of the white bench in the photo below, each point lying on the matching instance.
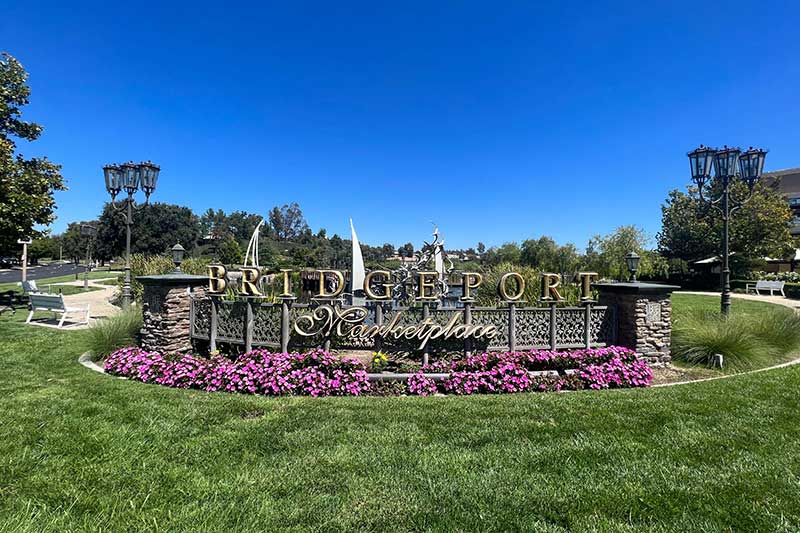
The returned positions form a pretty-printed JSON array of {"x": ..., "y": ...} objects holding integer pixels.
[
  {"x": 55, "y": 304},
  {"x": 765, "y": 285}
]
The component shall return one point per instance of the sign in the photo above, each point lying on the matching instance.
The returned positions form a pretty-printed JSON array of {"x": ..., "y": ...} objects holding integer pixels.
[
  {"x": 328, "y": 320},
  {"x": 378, "y": 284}
]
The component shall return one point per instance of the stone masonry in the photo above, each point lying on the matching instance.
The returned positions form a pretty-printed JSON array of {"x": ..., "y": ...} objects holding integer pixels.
[
  {"x": 644, "y": 318},
  {"x": 166, "y": 310}
]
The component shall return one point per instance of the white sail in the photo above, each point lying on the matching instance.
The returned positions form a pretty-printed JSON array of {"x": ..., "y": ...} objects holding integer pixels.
[
  {"x": 357, "y": 273},
  {"x": 438, "y": 261},
  {"x": 251, "y": 255}
]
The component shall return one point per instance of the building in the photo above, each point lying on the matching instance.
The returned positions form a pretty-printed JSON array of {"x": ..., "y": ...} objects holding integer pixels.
[{"x": 789, "y": 184}]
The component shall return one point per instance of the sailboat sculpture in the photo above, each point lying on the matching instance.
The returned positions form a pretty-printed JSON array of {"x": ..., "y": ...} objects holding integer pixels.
[{"x": 357, "y": 273}]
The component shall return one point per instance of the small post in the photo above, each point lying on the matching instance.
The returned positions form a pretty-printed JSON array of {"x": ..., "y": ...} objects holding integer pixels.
[
  {"x": 512, "y": 326},
  {"x": 286, "y": 302},
  {"x": 468, "y": 322},
  {"x": 553, "y": 330},
  {"x": 426, "y": 310},
  {"x": 248, "y": 326},
  {"x": 587, "y": 326},
  {"x": 212, "y": 335}
]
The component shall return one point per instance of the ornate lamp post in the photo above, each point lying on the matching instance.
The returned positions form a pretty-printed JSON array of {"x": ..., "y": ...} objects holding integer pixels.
[
  {"x": 129, "y": 176},
  {"x": 721, "y": 193},
  {"x": 177, "y": 256},
  {"x": 632, "y": 262}
]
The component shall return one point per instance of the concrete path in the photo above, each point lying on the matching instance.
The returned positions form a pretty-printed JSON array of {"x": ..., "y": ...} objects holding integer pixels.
[
  {"x": 779, "y": 300},
  {"x": 99, "y": 305}
]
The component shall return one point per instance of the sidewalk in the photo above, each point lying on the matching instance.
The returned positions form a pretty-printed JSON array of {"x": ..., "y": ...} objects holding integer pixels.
[{"x": 779, "y": 300}]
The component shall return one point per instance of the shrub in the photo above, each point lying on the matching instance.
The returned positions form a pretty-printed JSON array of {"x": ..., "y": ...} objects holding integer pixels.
[
  {"x": 745, "y": 341},
  {"x": 315, "y": 373},
  {"x": 318, "y": 373},
  {"x": 150, "y": 265},
  {"x": 113, "y": 333}
]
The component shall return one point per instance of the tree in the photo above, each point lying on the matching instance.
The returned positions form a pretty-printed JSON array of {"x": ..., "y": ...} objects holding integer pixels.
[
  {"x": 387, "y": 251},
  {"x": 26, "y": 185},
  {"x": 481, "y": 248},
  {"x": 74, "y": 244},
  {"x": 287, "y": 222},
  {"x": 229, "y": 251},
  {"x": 156, "y": 229},
  {"x": 690, "y": 231},
  {"x": 507, "y": 253},
  {"x": 605, "y": 254},
  {"x": 407, "y": 250}
]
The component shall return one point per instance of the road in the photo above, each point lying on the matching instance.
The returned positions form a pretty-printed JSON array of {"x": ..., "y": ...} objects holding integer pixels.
[{"x": 40, "y": 272}]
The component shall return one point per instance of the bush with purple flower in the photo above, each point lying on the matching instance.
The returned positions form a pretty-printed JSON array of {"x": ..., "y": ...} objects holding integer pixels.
[{"x": 319, "y": 373}]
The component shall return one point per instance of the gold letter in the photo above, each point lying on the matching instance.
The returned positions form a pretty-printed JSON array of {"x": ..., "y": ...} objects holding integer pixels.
[
  {"x": 425, "y": 283},
  {"x": 503, "y": 290},
  {"x": 216, "y": 279},
  {"x": 470, "y": 280},
  {"x": 250, "y": 277},
  {"x": 287, "y": 283},
  {"x": 550, "y": 284},
  {"x": 339, "y": 287},
  {"x": 387, "y": 295},
  {"x": 586, "y": 285}
]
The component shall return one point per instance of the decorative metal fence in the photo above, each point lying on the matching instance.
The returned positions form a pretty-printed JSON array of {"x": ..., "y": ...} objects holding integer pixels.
[{"x": 250, "y": 323}]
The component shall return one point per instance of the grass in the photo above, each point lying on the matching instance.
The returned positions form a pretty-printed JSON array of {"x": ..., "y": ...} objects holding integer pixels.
[
  {"x": 755, "y": 335},
  {"x": 83, "y": 451},
  {"x": 118, "y": 331},
  {"x": 67, "y": 289}
]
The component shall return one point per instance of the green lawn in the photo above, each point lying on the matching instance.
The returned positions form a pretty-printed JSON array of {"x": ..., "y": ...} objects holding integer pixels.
[
  {"x": 83, "y": 451},
  {"x": 52, "y": 283}
]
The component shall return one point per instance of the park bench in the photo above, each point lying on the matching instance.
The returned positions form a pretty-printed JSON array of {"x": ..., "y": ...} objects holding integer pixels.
[
  {"x": 55, "y": 304},
  {"x": 766, "y": 285}
]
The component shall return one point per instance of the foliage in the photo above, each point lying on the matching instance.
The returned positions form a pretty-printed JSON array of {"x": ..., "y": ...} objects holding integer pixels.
[
  {"x": 72, "y": 243},
  {"x": 486, "y": 294},
  {"x": 543, "y": 253},
  {"x": 27, "y": 186},
  {"x": 792, "y": 277},
  {"x": 230, "y": 252},
  {"x": 156, "y": 228},
  {"x": 508, "y": 372},
  {"x": 150, "y": 265},
  {"x": 379, "y": 361},
  {"x": 605, "y": 254},
  {"x": 746, "y": 340},
  {"x": 105, "y": 336},
  {"x": 691, "y": 231},
  {"x": 315, "y": 373},
  {"x": 287, "y": 222}
]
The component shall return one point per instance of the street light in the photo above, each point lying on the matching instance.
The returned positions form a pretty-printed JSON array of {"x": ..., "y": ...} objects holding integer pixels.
[
  {"x": 177, "y": 256},
  {"x": 89, "y": 232},
  {"x": 632, "y": 261},
  {"x": 129, "y": 176},
  {"x": 720, "y": 194}
]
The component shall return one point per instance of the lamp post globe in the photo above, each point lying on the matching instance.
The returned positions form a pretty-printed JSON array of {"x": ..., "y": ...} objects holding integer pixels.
[
  {"x": 751, "y": 165},
  {"x": 177, "y": 256},
  {"x": 632, "y": 262}
]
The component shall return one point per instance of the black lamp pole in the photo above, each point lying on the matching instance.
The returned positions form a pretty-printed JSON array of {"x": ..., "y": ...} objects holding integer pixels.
[
  {"x": 721, "y": 193},
  {"x": 130, "y": 176}
]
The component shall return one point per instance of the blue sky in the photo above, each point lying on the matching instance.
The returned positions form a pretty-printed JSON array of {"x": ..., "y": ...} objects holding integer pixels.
[{"x": 498, "y": 120}]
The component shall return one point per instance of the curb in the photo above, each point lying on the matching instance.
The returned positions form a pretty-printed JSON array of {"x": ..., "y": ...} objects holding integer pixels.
[{"x": 86, "y": 360}]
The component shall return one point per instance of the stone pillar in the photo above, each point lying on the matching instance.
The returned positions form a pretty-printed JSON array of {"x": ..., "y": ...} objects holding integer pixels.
[
  {"x": 166, "y": 306},
  {"x": 644, "y": 317}
]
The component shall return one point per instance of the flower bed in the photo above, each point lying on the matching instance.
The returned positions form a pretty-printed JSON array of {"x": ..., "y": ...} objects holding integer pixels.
[{"x": 318, "y": 373}]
